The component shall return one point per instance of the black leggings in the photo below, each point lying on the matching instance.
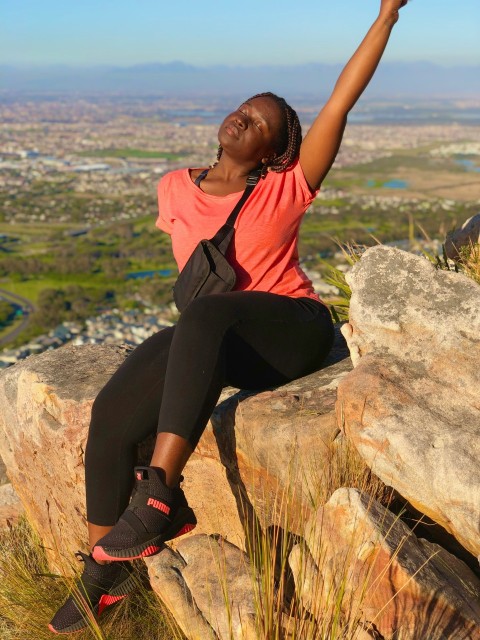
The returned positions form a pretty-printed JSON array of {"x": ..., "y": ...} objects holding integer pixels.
[{"x": 172, "y": 382}]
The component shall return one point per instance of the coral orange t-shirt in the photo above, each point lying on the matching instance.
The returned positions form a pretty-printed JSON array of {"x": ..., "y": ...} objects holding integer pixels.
[{"x": 264, "y": 252}]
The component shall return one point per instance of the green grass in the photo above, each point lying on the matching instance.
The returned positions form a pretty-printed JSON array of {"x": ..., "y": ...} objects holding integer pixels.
[
  {"x": 8, "y": 328},
  {"x": 32, "y": 230},
  {"x": 104, "y": 255},
  {"x": 128, "y": 152},
  {"x": 31, "y": 289},
  {"x": 390, "y": 165}
]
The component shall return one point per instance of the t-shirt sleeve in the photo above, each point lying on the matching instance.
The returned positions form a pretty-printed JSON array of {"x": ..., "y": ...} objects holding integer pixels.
[
  {"x": 164, "y": 220},
  {"x": 302, "y": 185}
]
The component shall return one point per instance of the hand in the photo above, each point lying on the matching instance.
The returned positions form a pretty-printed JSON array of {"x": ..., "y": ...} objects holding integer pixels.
[{"x": 389, "y": 10}]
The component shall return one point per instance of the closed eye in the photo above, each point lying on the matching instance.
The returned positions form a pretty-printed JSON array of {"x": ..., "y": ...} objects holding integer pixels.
[{"x": 255, "y": 123}]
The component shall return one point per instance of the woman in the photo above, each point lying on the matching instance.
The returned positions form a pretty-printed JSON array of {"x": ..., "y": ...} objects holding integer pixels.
[{"x": 271, "y": 329}]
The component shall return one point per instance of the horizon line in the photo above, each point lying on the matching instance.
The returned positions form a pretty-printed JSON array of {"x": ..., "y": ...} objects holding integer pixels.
[{"x": 225, "y": 65}]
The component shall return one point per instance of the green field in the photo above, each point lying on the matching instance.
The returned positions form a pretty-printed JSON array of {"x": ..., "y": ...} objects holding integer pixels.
[
  {"x": 31, "y": 289},
  {"x": 69, "y": 277},
  {"x": 73, "y": 278},
  {"x": 9, "y": 328},
  {"x": 128, "y": 152}
]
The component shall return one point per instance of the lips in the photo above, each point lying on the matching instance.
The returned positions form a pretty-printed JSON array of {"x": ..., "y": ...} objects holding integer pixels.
[{"x": 232, "y": 130}]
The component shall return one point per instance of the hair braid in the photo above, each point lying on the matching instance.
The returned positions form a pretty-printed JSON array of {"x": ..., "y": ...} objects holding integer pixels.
[{"x": 290, "y": 137}]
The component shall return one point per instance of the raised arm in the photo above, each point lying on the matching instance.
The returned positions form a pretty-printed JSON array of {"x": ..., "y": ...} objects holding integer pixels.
[{"x": 322, "y": 142}]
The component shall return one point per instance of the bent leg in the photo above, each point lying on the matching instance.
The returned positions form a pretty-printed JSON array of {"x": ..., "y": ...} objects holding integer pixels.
[
  {"x": 173, "y": 380},
  {"x": 124, "y": 413},
  {"x": 275, "y": 338},
  {"x": 290, "y": 341},
  {"x": 252, "y": 340}
]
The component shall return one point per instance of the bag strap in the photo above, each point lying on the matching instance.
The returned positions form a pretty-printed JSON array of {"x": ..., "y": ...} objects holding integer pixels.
[
  {"x": 252, "y": 180},
  {"x": 200, "y": 177},
  {"x": 224, "y": 235}
]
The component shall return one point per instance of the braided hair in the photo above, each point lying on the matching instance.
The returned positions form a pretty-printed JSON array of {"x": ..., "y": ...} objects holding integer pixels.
[{"x": 290, "y": 137}]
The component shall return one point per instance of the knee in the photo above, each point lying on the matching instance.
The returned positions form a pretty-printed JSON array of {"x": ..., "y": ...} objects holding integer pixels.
[
  {"x": 205, "y": 313},
  {"x": 100, "y": 420},
  {"x": 197, "y": 311},
  {"x": 100, "y": 406}
]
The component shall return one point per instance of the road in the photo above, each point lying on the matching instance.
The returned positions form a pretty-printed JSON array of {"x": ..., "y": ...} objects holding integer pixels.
[{"x": 27, "y": 308}]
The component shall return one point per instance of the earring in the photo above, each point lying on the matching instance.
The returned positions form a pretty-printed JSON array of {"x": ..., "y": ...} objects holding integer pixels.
[{"x": 266, "y": 163}]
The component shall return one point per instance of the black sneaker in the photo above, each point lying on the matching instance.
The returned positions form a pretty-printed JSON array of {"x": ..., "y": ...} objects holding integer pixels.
[
  {"x": 155, "y": 514},
  {"x": 99, "y": 587}
]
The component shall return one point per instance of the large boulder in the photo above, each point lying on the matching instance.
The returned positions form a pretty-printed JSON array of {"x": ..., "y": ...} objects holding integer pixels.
[
  {"x": 165, "y": 573},
  {"x": 365, "y": 566},
  {"x": 259, "y": 446},
  {"x": 412, "y": 403},
  {"x": 208, "y": 585},
  {"x": 45, "y": 405},
  {"x": 248, "y": 450}
]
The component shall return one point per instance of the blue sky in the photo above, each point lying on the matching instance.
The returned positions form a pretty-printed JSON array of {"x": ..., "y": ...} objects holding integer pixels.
[{"x": 205, "y": 32}]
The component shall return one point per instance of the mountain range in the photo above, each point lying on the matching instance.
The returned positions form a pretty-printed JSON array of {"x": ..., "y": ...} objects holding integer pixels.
[{"x": 392, "y": 80}]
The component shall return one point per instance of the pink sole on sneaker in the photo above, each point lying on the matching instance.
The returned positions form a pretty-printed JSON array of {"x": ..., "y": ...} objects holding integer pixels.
[
  {"x": 63, "y": 633},
  {"x": 186, "y": 529},
  {"x": 99, "y": 553}
]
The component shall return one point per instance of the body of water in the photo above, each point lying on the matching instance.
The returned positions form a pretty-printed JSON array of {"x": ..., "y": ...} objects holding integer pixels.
[
  {"x": 138, "y": 275},
  {"x": 470, "y": 165},
  {"x": 390, "y": 184}
]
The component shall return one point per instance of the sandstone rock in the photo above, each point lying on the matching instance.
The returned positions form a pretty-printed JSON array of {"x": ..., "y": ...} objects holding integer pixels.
[
  {"x": 165, "y": 572},
  {"x": 11, "y": 508},
  {"x": 45, "y": 411},
  {"x": 45, "y": 408},
  {"x": 469, "y": 233},
  {"x": 271, "y": 442},
  {"x": 213, "y": 587},
  {"x": 219, "y": 576},
  {"x": 212, "y": 497},
  {"x": 412, "y": 403},
  {"x": 3, "y": 473},
  {"x": 392, "y": 583},
  {"x": 307, "y": 578}
]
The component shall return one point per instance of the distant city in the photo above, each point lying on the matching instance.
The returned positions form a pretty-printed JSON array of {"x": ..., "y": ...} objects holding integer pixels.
[{"x": 80, "y": 259}]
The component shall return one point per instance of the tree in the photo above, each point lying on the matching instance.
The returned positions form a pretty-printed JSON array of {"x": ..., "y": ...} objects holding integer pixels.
[{"x": 7, "y": 311}]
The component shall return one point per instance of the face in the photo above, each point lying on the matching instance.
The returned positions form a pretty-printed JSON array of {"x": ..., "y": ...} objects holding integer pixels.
[{"x": 252, "y": 132}]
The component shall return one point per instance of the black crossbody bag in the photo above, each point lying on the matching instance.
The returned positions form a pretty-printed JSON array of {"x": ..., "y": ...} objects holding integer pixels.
[{"x": 207, "y": 270}]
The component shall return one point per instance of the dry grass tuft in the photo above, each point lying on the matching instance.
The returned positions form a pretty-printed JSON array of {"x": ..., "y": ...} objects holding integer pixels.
[
  {"x": 280, "y": 614},
  {"x": 470, "y": 261},
  {"x": 339, "y": 305},
  {"x": 30, "y": 596}
]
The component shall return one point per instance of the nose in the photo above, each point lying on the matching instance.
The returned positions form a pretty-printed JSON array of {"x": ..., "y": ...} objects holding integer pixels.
[{"x": 241, "y": 120}]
